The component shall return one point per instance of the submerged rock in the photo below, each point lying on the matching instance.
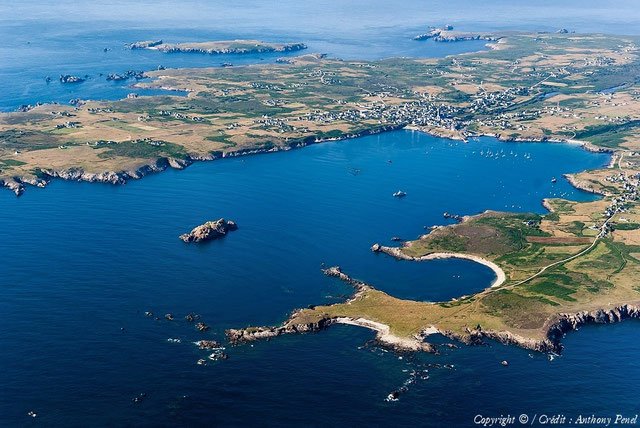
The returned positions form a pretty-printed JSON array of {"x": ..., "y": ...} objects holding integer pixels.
[
  {"x": 202, "y": 326},
  {"x": 209, "y": 230},
  {"x": 191, "y": 317}
]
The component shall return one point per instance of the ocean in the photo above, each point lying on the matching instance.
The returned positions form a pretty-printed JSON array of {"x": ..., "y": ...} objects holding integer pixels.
[{"x": 82, "y": 263}]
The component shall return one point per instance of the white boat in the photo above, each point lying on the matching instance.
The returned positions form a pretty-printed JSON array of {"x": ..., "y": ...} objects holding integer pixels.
[{"x": 399, "y": 194}]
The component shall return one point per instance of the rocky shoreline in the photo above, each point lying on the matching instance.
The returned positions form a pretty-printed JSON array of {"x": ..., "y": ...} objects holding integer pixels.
[
  {"x": 553, "y": 331},
  {"x": 44, "y": 176},
  {"x": 580, "y": 184},
  {"x": 383, "y": 336},
  {"x": 17, "y": 184}
]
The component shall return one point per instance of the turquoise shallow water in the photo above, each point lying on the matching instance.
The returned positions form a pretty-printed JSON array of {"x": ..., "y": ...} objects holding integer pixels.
[{"x": 83, "y": 261}]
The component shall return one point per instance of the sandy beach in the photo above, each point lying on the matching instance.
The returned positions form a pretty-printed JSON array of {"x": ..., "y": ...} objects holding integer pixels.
[
  {"x": 385, "y": 336},
  {"x": 396, "y": 252}
]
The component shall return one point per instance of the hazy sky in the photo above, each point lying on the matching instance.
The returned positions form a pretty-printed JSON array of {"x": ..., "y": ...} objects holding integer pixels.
[{"x": 620, "y": 16}]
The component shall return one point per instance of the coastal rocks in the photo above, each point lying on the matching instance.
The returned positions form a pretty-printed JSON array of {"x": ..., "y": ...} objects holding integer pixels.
[
  {"x": 146, "y": 44},
  {"x": 455, "y": 217},
  {"x": 129, "y": 74},
  {"x": 218, "y": 355},
  {"x": 391, "y": 251},
  {"x": 208, "y": 345},
  {"x": 191, "y": 317},
  {"x": 259, "y": 333},
  {"x": 556, "y": 328},
  {"x": 464, "y": 37},
  {"x": 568, "y": 322},
  {"x": 477, "y": 336},
  {"x": 446, "y": 34},
  {"x": 15, "y": 186},
  {"x": 336, "y": 272},
  {"x": 209, "y": 230},
  {"x": 68, "y": 78},
  {"x": 202, "y": 327}
]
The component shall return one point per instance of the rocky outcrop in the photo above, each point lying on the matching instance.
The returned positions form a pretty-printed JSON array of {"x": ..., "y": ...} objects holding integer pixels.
[
  {"x": 208, "y": 345},
  {"x": 129, "y": 74},
  {"x": 146, "y": 44},
  {"x": 336, "y": 272},
  {"x": 565, "y": 323},
  {"x": 446, "y": 34},
  {"x": 477, "y": 336},
  {"x": 209, "y": 231},
  {"x": 581, "y": 184},
  {"x": 555, "y": 328},
  {"x": 465, "y": 37},
  {"x": 258, "y": 333},
  {"x": 14, "y": 185},
  {"x": 68, "y": 78}
]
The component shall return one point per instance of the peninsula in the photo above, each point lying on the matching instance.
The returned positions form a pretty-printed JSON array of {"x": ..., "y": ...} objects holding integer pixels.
[{"x": 554, "y": 273}]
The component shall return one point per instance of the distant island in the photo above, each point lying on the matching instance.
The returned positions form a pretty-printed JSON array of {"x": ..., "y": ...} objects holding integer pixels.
[
  {"x": 447, "y": 34},
  {"x": 218, "y": 47}
]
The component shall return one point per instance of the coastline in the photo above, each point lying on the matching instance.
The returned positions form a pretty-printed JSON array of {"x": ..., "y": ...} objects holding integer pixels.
[
  {"x": 385, "y": 337},
  {"x": 17, "y": 184},
  {"x": 550, "y": 340}
]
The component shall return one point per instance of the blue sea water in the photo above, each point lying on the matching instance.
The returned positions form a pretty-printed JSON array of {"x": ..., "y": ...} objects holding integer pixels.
[{"x": 83, "y": 262}]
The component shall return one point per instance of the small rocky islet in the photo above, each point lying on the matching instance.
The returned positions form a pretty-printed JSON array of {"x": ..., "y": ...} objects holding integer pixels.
[{"x": 209, "y": 231}]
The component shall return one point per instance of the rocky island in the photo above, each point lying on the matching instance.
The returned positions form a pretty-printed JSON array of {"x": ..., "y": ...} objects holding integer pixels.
[
  {"x": 447, "y": 34},
  {"x": 219, "y": 47},
  {"x": 209, "y": 231}
]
